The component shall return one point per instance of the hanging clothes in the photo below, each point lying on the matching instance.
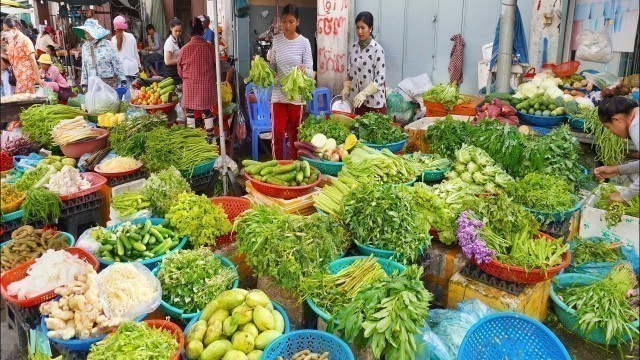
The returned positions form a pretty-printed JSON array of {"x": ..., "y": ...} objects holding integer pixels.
[
  {"x": 455, "y": 60},
  {"x": 519, "y": 42}
]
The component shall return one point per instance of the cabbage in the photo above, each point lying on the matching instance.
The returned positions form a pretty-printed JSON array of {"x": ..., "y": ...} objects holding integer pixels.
[
  {"x": 548, "y": 84},
  {"x": 527, "y": 90},
  {"x": 553, "y": 92},
  {"x": 483, "y": 159},
  {"x": 473, "y": 167},
  {"x": 452, "y": 175},
  {"x": 491, "y": 188},
  {"x": 464, "y": 154},
  {"x": 479, "y": 178},
  {"x": 491, "y": 170},
  {"x": 539, "y": 78},
  {"x": 466, "y": 177},
  {"x": 503, "y": 179}
]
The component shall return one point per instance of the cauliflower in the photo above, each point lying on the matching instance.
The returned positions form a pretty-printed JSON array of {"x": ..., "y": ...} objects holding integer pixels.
[{"x": 553, "y": 92}]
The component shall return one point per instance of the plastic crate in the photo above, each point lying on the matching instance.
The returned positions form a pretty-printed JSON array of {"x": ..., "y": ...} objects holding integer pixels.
[
  {"x": 233, "y": 207},
  {"x": 96, "y": 180},
  {"x": 80, "y": 204},
  {"x": 117, "y": 181},
  {"x": 12, "y": 216},
  {"x": 393, "y": 147},
  {"x": 313, "y": 340}
]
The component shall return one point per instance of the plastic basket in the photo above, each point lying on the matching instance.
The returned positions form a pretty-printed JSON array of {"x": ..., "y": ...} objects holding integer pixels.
[
  {"x": 178, "y": 313},
  {"x": 284, "y": 192},
  {"x": 326, "y": 167},
  {"x": 20, "y": 273},
  {"x": 14, "y": 206},
  {"x": 233, "y": 207},
  {"x": 199, "y": 169},
  {"x": 134, "y": 186},
  {"x": 96, "y": 180},
  {"x": 174, "y": 329},
  {"x": 379, "y": 253},
  {"x": 12, "y": 216},
  {"x": 543, "y": 121},
  {"x": 521, "y": 275},
  {"x": 577, "y": 123},
  {"x": 77, "y": 149},
  {"x": 149, "y": 263},
  {"x": 557, "y": 216},
  {"x": 313, "y": 340},
  {"x": 432, "y": 175},
  {"x": 335, "y": 266},
  {"x": 98, "y": 170},
  {"x": 510, "y": 336},
  {"x": 70, "y": 240},
  {"x": 165, "y": 108},
  {"x": 566, "y": 68},
  {"x": 568, "y": 316},
  {"x": 393, "y": 147},
  {"x": 542, "y": 131}
]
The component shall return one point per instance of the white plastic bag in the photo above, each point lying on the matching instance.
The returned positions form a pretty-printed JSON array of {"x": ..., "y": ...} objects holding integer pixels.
[
  {"x": 101, "y": 98},
  {"x": 87, "y": 242},
  {"x": 595, "y": 46},
  {"x": 138, "y": 309}
]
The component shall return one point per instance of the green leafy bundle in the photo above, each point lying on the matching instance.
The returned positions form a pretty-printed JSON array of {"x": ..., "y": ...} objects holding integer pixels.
[
  {"x": 561, "y": 154},
  {"x": 446, "y": 94},
  {"x": 387, "y": 315},
  {"x": 135, "y": 341},
  {"x": 128, "y": 138},
  {"x": 177, "y": 146},
  {"x": 543, "y": 192},
  {"x": 441, "y": 216},
  {"x": 288, "y": 247},
  {"x": 320, "y": 125},
  {"x": 385, "y": 167},
  {"x": 386, "y": 218},
  {"x": 31, "y": 177},
  {"x": 447, "y": 135},
  {"x": 504, "y": 216},
  {"x": 162, "y": 188},
  {"x": 615, "y": 210},
  {"x": 190, "y": 279},
  {"x": 476, "y": 168},
  {"x": 585, "y": 250},
  {"x": 298, "y": 86},
  {"x": 41, "y": 205},
  {"x": 541, "y": 253},
  {"x": 375, "y": 128},
  {"x": 198, "y": 218},
  {"x": 610, "y": 149},
  {"x": 38, "y": 121},
  {"x": 429, "y": 162},
  {"x": 260, "y": 73}
]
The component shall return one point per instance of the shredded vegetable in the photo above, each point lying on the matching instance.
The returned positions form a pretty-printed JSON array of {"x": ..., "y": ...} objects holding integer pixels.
[{"x": 119, "y": 164}]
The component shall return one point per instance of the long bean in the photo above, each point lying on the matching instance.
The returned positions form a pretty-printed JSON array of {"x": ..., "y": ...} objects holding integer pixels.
[
  {"x": 178, "y": 146},
  {"x": 38, "y": 121},
  {"x": 41, "y": 205},
  {"x": 610, "y": 149}
]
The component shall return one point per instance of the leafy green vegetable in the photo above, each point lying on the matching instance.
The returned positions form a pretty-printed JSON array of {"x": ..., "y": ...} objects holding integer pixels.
[
  {"x": 447, "y": 135},
  {"x": 38, "y": 121},
  {"x": 438, "y": 213},
  {"x": 298, "y": 86},
  {"x": 41, "y": 205},
  {"x": 387, "y": 314},
  {"x": 375, "y": 128},
  {"x": 320, "y": 125},
  {"x": 198, "y": 218},
  {"x": 476, "y": 168},
  {"x": 260, "y": 73},
  {"x": 429, "y": 162},
  {"x": 162, "y": 189},
  {"x": 288, "y": 247},
  {"x": 190, "y": 279},
  {"x": 128, "y": 137},
  {"x": 367, "y": 164},
  {"x": 446, "y": 94},
  {"x": 610, "y": 149},
  {"x": 30, "y": 178},
  {"x": 543, "y": 193},
  {"x": 531, "y": 253},
  {"x": 135, "y": 341},
  {"x": 615, "y": 210},
  {"x": 585, "y": 250},
  {"x": 504, "y": 216},
  {"x": 177, "y": 146},
  {"x": 385, "y": 217}
]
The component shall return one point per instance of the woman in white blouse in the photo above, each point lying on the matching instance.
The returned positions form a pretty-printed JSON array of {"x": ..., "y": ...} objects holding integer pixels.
[
  {"x": 127, "y": 47},
  {"x": 366, "y": 70}
]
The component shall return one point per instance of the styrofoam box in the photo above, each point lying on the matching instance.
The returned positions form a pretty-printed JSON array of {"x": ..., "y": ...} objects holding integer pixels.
[
  {"x": 593, "y": 224},
  {"x": 133, "y": 186}
]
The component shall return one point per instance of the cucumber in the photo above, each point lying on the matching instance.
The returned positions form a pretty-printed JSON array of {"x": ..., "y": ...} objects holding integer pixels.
[
  {"x": 306, "y": 168},
  {"x": 284, "y": 169},
  {"x": 290, "y": 176},
  {"x": 299, "y": 176}
]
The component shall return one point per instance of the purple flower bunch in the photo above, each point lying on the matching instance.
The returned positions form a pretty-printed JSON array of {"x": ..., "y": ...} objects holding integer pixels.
[{"x": 472, "y": 244}]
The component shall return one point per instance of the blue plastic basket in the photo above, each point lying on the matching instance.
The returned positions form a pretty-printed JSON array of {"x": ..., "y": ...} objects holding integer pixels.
[
  {"x": 178, "y": 313},
  {"x": 75, "y": 344},
  {"x": 510, "y": 336},
  {"x": 12, "y": 216},
  {"x": 379, "y": 253},
  {"x": 335, "y": 266},
  {"x": 149, "y": 263},
  {"x": 70, "y": 240},
  {"x": 576, "y": 123},
  {"x": 557, "y": 216},
  {"x": 200, "y": 169},
  {"x": 544, "y": 121},
  {"x": 313, "y": 340},
  {"x": 326, "y": 167},
  {"x": 568, "y": 316},
  {"x": 393, "y": 147}
]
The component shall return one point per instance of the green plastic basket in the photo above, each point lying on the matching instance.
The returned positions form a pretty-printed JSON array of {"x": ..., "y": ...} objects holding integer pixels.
[
  {"x": 199, "y": 169},
  {"x": 557, "y": 216},
  {"x": 568, "y": 316},
  {"x": 331, "y": 168},
  {"x": 12, "y": 216},
  {"x": 379, "y": 253},
  {"x": 388, "y": 266}
]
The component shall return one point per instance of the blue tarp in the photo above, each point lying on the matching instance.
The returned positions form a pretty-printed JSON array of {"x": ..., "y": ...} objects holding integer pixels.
[{"x": 519, "y": 42}]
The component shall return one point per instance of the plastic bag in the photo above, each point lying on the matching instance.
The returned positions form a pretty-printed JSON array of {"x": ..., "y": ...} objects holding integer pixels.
[
  {"x": 595, "y": 46},
  {"x": 602, "y": 80},
  {"x": 397, "y": 107},
  {"x": 101, "y": 98},
  {"x": 140, "y": 308},
  {"x": 240, "y": 128},
  {"x": 87, "y": 242},
  {"x": 181, "y": 117}
]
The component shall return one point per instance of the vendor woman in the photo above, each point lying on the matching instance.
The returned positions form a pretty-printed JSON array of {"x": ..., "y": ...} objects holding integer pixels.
[
  {"x": 290, "y": 50},
  {"x": 619, "y": 114},
  {"x": 366, "y": 70},
  {"x": 52, "y": 78}
]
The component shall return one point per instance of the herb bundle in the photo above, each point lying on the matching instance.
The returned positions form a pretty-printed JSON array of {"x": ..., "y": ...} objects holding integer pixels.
[
  {"x": 615, "y": 210},
  {"x": 543, "y": 193},
  {"x": 375, "y": 128},
  {"x": 585, "y": 250},
  {"x": 42, "y": 205},
  {"x": 162, "y": 189},
  {"x": 198, "y": 218},
  {"x": 128, "y": 137},
  {"x": 319, "y": 125}
]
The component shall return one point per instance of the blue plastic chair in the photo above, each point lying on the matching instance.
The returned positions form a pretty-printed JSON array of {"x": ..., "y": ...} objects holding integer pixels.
[
  {"x": 321, "y": 102},
  {"x": 259, "y": 114}
]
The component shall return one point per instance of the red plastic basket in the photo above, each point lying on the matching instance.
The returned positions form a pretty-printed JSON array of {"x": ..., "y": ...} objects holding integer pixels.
[
  {"x": 520, "y": 275},
  {"x": 165, "y": 108},
  {"x": 96, "y": 180},
  {"x": 284, "y": 192},
  {"x": 106, "y": 174},
  {"x": 174, "y": 329},
  {"x": 566, "y": 68},
  {"x": 20, "y": 272},
  {"x": 233, "y": 207}
]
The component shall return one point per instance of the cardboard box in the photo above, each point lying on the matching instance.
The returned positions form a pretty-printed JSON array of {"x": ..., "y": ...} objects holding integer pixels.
[{"x": 440, "y": 262}]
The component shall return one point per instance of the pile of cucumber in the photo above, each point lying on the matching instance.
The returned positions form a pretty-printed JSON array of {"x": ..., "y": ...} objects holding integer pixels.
[
  {"x": 298, "y": 173},
  {"x": 134, "y": 242},
  {"x": 540, "y": 105}
]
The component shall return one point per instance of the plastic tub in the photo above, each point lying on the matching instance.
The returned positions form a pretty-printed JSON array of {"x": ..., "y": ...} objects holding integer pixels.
[
  {"x": 393, "y": 147},
  {"x": 199, "y": 169},
  {"x": 77, "y": 149},
  {"x": 543, "y": 121},
  {"x": 284, "y": 192},
  {"x": 96, "y": 180},
  {"x": 383, "y": 254},
  {"x": 107, "y": 174},
  {"x": 12, "y": 216},
  {"x": 326, "y": 167},
  {"x": 313, "y": 340},
  {"x": 165, "y": 108},
  {"x": 566, "y": 68}
]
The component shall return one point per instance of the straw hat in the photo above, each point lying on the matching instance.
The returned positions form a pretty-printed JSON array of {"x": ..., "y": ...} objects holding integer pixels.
[
  {"x": 93, "y": 27},
  {"x": 45, "y": 59}
]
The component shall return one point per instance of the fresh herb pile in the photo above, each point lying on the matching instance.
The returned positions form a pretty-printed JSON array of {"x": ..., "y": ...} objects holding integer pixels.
[
  {"x": 41, "y": 205},
  {"x": 177, "y": 146},
  {"x": 128, "y": 137},
  {"x": 615, "y": 210},
  {"x": 260, "y": 73},
  {"x": 386, "y": 217},
  {"x": 476, "y": 168},
  {"x": 446, "y": 94},
  {"x": 604, "y": 304},
  {"x": 297, "y": 85},
  {"x": 387, "y": 314},
  {"x": 530, "y": 254},
  {"x": 135, "y": 341},
  {"x": 374, "y": 128},
  {"x": 190, "y": 279},
  {"x": 543, "y": 193},
  {"x": 198, "y": 218},
  {"x": 320, "y": 125},
  {"x": 447, "y": 135},
  {"x": 38, "y": 121},
  {"x": 288, "y": 247},
  {"x": 162, "y": 188},
  {"x": 441, "y": 216},
  {"x": 33, "y": 177},
  {"x": 610, "y": 149},
  {"x": 586, "y": 250},
  {"x": 367, "y": 164}
]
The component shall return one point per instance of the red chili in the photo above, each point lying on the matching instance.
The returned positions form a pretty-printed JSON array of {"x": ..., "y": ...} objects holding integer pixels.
[{"x": 6, "y": 162}]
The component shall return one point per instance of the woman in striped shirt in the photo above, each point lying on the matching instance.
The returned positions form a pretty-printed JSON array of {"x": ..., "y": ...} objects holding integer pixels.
[{"x": 289, "y": 50}]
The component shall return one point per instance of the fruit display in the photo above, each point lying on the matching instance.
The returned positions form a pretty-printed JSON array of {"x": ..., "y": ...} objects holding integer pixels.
[
  {"x": 110, "y": 119},
  {"x": 325, "y": 148},
  {"x": 540, "y": 105},
  {"x": 156, "y": 94},
  {"x": 238, "y": 324}
]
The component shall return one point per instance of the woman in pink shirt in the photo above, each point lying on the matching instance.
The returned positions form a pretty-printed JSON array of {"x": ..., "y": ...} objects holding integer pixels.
[{"x": 52, "y": 77}]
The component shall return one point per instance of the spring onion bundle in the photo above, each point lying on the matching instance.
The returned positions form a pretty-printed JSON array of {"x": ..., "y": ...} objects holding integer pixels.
[
  {"x": 39, "y": 120},
  {"x": 543, "y": 193}
]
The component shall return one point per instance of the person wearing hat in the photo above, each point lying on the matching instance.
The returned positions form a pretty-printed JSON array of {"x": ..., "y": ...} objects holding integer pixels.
[
  {"x": 208, "y": 33},
  {"x": 127, "y": 46},
  {"x": 45, "y": 39},
  {"x": 21, "y": 55},
  {"x": 99, "y": 56},
  {"x": 52, "y": 78}
]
